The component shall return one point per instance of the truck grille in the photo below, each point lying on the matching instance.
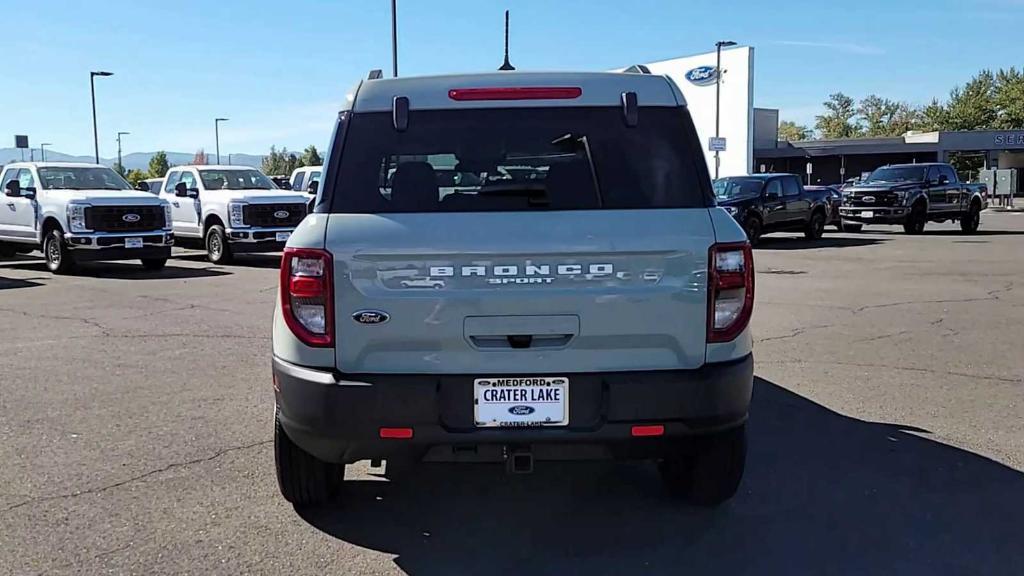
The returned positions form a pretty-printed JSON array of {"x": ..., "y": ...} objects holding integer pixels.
[
  {"x": 124, "y": 218},
  {"x": 273, "y": 215},
  {"x": 876, "y": 199}
]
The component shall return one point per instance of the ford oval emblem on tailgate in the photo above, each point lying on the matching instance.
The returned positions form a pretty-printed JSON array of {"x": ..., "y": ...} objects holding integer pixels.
[
  {"x": 131, "y": 217},
  {"x": 281, "y": 214},
  {"x": 521, "y": 410},
  {"x": 371, "y": 317}
]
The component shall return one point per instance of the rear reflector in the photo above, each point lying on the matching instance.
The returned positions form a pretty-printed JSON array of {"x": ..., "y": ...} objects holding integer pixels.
[
  {"x": 399, "y": 433},
  {"x": 652, "y": 430},
  {"x": 516, "y": 93}
]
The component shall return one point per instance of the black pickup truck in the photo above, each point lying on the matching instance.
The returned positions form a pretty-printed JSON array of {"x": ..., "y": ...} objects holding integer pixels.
[
  {"x": 764, "y": 203},
  {"x": 912, "y": 195}
]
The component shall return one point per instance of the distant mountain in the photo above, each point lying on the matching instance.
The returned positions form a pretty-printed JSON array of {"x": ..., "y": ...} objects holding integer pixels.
[{"x": 133, "y": 161}]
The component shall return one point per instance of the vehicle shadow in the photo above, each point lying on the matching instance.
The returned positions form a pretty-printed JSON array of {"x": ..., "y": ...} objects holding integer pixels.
[
  {"x": 128, "y": 271},
  {"x": 826, "y": 241},
  {"x": 271, "y": 260},
  {"x": 823, "y": 493},
  {"x": 15, "y": 283}
]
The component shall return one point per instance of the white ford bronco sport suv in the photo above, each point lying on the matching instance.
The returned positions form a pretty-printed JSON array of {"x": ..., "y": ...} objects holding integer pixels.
[
  {"x": 514, "y": 267},
  {"x": 231, "y": 210},
  {"x": 81, "y": 212}
]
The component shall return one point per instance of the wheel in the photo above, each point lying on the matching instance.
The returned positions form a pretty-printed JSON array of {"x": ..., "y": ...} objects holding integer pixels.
[
  {"x": 154, "y": 264},
  {"x": 970, "y": 222},
  {"x": 709, "y": 472},
  {"x": 851, "y": 227},
  {"x": 303, "y": 479},
  {"x": 218, "y": 250},
  {"x": 916, "y": 220},
  {"x": 753, "y": 227},
  {"x": 816, "y": 226},
  {"x": 59, "y": 259}
]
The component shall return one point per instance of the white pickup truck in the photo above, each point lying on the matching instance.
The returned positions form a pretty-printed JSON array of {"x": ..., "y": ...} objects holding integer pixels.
[
  {"x": 81, "y": 212},
  {"x": 231, "y": 210}
]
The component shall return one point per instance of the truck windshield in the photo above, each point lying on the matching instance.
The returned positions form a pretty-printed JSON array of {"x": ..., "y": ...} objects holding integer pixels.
[
  {"x": 520, "y": 159},
  {"x": 729, "y": 188},
  {"x": 235, "y": 180},
  {"x": 81, "y": 178},
  {"x": 891, "y": 174}
]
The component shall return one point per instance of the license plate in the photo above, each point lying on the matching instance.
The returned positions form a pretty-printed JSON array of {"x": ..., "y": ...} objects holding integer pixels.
[
  {"x": 133, "y": 242},
  {"x": 283, "y": 236},
  {"x": 867, "y": 214},
  {"x": 526, "y": 401}
]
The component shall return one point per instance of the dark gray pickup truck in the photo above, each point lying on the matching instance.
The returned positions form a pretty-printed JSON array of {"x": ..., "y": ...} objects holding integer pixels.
[{"x": 914, "y": 194}]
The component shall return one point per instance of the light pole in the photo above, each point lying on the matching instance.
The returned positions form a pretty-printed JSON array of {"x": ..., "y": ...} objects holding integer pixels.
[
  {"x": 394, "y": 38},
  {"x": 120, "y": 165},
  {"x": 92, "y": 91},
  {"x": 718, "y": 90},
  {"x": 42, "y": 150},
  {"x": 216, "y": 134}
]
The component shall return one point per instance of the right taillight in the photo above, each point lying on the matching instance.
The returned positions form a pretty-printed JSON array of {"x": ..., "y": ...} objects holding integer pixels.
[
  {"x": 307, "y": 295},
  {"x": 730, "y": 290}
]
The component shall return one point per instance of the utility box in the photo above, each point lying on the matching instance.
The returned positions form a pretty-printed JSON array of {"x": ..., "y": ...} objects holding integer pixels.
[
  {"x": 1007, "y": 182},
  {"x": 988, "y": 178}
]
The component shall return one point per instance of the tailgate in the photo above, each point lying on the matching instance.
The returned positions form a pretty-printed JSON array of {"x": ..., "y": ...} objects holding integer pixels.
[{"x": 539, "y": 292}]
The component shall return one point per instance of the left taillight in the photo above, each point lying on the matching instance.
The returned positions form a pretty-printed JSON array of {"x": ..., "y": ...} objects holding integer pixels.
[
  {"x": 307, "y": 295},
  {"x": 730, "y": 290}
]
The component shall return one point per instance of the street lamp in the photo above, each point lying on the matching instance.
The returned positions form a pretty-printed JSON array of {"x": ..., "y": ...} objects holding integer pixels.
[
  {"x": 718, "y": 89},
  {"x": 216, "y": 134},
  {"x": 120, "y": 165},
  {"x": 394, "y": 38},
  {"x": 92, "y": 90},
  {"x": 42, "y": 150}
]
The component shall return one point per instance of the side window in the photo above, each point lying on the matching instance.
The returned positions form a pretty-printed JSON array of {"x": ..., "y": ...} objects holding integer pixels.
[
  {"x": 9, "y": 175},
  {"x": 25, "y": 179},
  {"x": 189, "y": 179},
  {"x": 297, "y": 183},
  {"x": 790, "y": 186},
  {"x": 774, "y": 187},
  {"x": 948, "y": 172},
  {"x": 172, "y": 180},
  {"x": 933, "y": 174}
]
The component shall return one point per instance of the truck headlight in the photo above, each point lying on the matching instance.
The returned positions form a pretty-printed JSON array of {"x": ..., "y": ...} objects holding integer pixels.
[
  {"x": 235, "y": 214},
  {"x": 168, "y": 221},
  {"x": 76, "y": 217}
]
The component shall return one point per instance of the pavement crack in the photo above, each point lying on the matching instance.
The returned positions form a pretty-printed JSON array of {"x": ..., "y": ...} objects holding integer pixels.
[
  {"x": 88, "y": 322},
  {"x": 991, "y": 295},
  {"x": 881, "y": 337},
  {"x": 794, "y": 333},
  {"x": 137, "y": 478}
]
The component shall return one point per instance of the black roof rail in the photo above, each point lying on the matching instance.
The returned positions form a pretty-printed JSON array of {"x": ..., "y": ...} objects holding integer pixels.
[
  {"x": 375, "y": 74},
  {"x": 638, "y": 69}
]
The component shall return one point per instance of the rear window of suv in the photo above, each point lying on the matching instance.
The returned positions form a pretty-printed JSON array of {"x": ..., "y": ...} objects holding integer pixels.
[{"x": 519, "y": 159}]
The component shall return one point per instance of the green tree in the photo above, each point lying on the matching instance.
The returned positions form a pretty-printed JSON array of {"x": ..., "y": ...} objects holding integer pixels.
[
  {"x": 1009, "y": 99},
  {"x": 932, "y": 117},
  {"x": 973, "y": 106},
  {"x": 877, "y": 114},
  {"x": 839, "y": 119},
  {"x": 280, "y": 162},
  {"x": 158, "y": 165},
  {"x": 136, "y": 176},
  {"x": 793, "y": 132},
  {"x": 311, "y": 157}
]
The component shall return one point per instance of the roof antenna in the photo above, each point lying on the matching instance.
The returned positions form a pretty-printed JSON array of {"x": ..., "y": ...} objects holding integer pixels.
[{"x": 506, "y": 66}]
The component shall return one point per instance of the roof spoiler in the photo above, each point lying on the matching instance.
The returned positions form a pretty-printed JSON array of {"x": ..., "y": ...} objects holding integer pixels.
[
  {"x": 638, "y": 69},
  {"x": 375, "y": 74}
]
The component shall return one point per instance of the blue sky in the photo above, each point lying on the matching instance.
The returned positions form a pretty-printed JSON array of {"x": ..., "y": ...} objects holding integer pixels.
[{"x": 279, "y": 69}]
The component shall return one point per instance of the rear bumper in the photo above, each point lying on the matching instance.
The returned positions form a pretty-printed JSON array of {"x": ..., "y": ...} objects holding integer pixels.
[
  {"x": 881, "y": 215},
  {"x": 337, "y": 417}
]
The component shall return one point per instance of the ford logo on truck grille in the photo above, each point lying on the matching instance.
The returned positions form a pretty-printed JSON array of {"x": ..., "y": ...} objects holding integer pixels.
[
  {"x": 868, "y": 199},
  {"x": 371, "y": 317},
  {"x": 521, "y": 410},
  {"x": 281, "y": 214},
  {"x": 702, "y": 75},
  {"x": 131, "y": 217}
]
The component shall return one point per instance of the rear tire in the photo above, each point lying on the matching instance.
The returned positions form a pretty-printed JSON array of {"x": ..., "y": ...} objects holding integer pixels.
[
  {"x": 154, "y": 264},
  {"x": 303, "y": 479},
  {"x": 218, "y": 250},
  {"x": 972, "y": 219},
  {"x": 59, "y": 259},
  {"x": 816, "y": 226},
  {"x": 710, "y": 471},
  {"x": 916, "y": 219},
  {"x": 754, "y": 229}
]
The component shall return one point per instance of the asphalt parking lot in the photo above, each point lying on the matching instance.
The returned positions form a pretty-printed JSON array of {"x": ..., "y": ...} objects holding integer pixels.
[{"x": 887, "y": 433}]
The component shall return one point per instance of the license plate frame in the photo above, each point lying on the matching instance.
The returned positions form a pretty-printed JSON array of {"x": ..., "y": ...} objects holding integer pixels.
[
  {"x": 867, "y": 214},
  {"x": 133, "y": 243},
  {"x": 538, "y": 401},
  {"x": 282, "y": 236}
]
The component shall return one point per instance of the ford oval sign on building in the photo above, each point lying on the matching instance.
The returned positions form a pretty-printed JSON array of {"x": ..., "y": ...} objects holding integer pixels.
[{"x": 702, "y": 75}]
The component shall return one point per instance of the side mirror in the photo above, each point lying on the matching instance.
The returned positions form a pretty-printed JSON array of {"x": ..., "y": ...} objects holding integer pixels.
[
  {"x": 13, "y": 189},
  {"x": 313, "y": 187},
  {"x": 142, "y": 186},
  {"x": 180, "y": 190},
  {"x": 771, "y": 196}
]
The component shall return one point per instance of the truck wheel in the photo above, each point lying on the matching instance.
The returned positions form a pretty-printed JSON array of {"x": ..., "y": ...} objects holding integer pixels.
[
  {"x": 710, "y": 472},
  {"x": 218, "y": 250},
  {"x": 154, "y": 264},
  {"x": 915, "y": 220},
  {"x": 303, "y": 479},
  {"x": 816, "y": 226},
  {"x": 752, "y": 226},
  {"x": 972, "y": 219},
  {"x": 59, "y": 259}
]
